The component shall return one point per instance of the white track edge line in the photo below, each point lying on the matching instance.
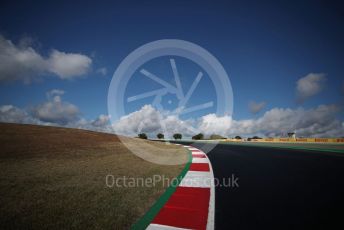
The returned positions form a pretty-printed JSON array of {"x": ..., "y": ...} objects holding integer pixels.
[{"x": 163, "y": 227}]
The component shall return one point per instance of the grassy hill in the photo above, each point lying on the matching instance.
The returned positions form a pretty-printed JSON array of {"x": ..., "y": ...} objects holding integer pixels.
[{"x": 55, "y": 178}]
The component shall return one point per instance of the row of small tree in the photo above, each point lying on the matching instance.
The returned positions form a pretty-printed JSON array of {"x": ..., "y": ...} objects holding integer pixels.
[
  {"x": 161, "y": 136},
  {"x": 199, "y": 136},
  {"x": 176, "y": 136}
]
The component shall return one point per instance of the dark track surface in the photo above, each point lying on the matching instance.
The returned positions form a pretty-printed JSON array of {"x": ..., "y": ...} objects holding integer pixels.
[{"x": 278, "y": 188}]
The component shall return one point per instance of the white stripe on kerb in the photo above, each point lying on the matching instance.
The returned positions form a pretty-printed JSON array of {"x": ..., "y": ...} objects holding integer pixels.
[
  {"x": 197, "y": 153},
  {"x": 197, "y": 179},
  {"x": 163, "y": 227},
  {"x": 192, "y": 148},
  {"x": 200, "y": 160}
]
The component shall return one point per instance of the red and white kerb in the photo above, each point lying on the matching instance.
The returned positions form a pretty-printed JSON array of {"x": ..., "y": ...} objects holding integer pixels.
[{"x": 192, "y": 205}]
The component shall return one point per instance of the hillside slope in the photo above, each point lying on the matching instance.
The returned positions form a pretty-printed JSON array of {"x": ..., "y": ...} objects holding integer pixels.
[{"x": 56, "y": 178}]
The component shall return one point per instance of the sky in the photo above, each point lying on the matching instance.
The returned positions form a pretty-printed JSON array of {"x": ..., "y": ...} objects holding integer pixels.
[{"x": 284, "y": 62}]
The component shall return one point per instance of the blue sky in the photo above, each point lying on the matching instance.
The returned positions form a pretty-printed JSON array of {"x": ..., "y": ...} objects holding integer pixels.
[{"x": 265, "y": 48}]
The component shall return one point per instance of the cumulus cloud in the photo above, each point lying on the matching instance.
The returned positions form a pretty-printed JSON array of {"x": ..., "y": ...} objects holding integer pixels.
[
  {"x": 101, "y": 121},
  {"x": 320, "y": 121},
  {"x": 316, "y": 122},
  {"x": 22, "y": 62},
  {"x": 101, "y": 124},
  {"x": 18, "y": 62},
  {"x": 309, "y": 85},
  {"x": 212, "y": 124},
  {"x": 13, "y": 114},
  {"x": 68, "y": 65},
  {"x": 256, "y": 107},
  {"x": 56, "y": 111},
  {"x": 147, "y": 120},
  {"x": 151, "y": 121}
]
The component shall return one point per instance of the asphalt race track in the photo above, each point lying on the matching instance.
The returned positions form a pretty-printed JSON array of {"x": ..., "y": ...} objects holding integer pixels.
[{"x": 278, "y": 188}]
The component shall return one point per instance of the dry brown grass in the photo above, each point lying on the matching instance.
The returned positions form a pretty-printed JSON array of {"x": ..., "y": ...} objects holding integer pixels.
[{"x": 55, "y": 178}]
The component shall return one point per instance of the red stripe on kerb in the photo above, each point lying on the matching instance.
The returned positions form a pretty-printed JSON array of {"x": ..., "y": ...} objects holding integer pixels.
[
  {"x": 199, "y": 167},
  {"x": 198, "y": 155},
  {"x": 196, "y": 150},
  {"x": 187, "y": 208}
]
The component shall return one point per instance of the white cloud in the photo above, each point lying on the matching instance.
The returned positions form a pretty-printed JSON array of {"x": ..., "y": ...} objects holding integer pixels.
[
  {"x": 212, "y": 124},
  {"x": 256, "y": 107},
  {"x": 102, "y": 71},
  {"x": 315, "y": 122},
  {"x": 151, "y": 121},
  {"x": 13, "y": 114},
  {"x": 23, "y": 62},
  {"x": 147, "y": 119},
  {"x": 101, "y": 124},
  {"x": 101, "y": 121},
  {"x": 19, "y": 63},
  {"x": 55, "y": 110},
  {"x": 310, "y": 85},
  {"x": 68, "y": 65}
]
